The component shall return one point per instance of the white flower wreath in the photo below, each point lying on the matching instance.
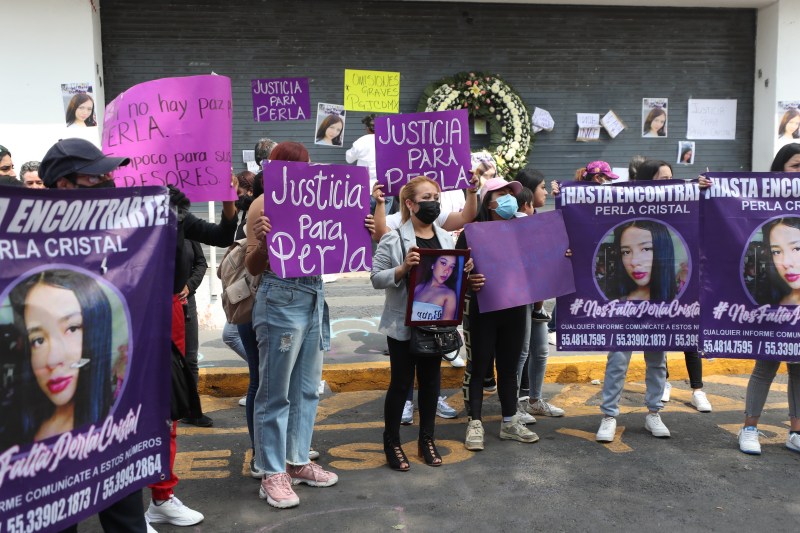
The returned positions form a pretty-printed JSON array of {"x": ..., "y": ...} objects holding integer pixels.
[{"x": 487, "y": 97}]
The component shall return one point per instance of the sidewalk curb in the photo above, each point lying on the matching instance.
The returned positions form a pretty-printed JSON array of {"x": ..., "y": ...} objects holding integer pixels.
[{"x": 351, "y": 377}]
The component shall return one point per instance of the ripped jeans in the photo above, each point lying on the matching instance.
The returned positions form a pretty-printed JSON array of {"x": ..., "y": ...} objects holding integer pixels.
[{"x": 290, "y": 320}]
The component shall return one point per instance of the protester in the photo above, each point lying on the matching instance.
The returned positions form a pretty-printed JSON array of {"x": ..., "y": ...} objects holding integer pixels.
[
  {"x": 532, "y": 364},
  {"x": 497, "y": 333},
  {"x": 29, "y": 174},
  {"x": 363, "y": 154},
  {"x": 262, "y": 150},
  {"x": 786, "y": 160},
  {"x": 290, "y": 319},
  {"x": 6, "y": 164},
  {"x": 390, "y": 267},
  {"x": 10, "y": 181},
  {"x": 597, "y": 172}
]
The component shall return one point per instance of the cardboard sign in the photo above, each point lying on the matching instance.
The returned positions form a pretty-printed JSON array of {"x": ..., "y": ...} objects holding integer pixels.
[
  {"x": 372, "y": 91},
  {"x": 281, "y": 99}
]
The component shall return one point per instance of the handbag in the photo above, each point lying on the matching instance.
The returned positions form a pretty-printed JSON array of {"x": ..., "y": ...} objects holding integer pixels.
[
  {"x": 432, "y": 341},
  {"x": 184, "y": 400}
]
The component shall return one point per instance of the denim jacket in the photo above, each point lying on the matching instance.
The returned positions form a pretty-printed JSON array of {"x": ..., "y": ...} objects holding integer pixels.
[{"x": 388, "y": 256}]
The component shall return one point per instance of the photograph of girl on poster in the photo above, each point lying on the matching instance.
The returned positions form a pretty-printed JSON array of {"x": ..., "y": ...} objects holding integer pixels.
[
  {"x": 771, "y": 270},
  {"x": 686, "y": 153},
  {"x": 80, "y": 111},
  {"x": 330, "y": 125},
  {"x": 642, "y": 259},
  {"x": 437, "y": 286},
  {"x": 654, "y": 117},
  {"x": 68, "y": 371}
]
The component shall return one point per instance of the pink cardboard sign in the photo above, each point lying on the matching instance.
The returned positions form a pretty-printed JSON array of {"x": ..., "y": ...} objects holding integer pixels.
[{"x": 176, "y": 131}]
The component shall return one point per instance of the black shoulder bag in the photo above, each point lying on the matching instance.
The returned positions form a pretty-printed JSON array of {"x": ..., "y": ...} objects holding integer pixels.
[{"x": 432, "y": 341}]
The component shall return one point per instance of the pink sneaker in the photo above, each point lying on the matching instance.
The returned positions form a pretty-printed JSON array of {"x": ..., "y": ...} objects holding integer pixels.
[
  {"x": 277, "y": 490},
  {"x": 312, "y": 475}
]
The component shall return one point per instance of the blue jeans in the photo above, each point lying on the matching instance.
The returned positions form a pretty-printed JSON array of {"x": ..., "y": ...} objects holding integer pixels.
[
  {"x": 290, "y": 319},
  {"x": 617, "y": 369},
  {"x": 233, "y": 339},
  {"x": 250, "y": 344},
  {"x": 535, "y": 350}
]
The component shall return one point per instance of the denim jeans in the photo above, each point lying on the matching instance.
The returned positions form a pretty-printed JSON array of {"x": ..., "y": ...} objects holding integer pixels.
[
  {"x": 617, "y": 369},
  {"x": 535, "y": 351},
  {"x": 250, "y": 344},
  {"x": 233, "y": 339},
  {"x": 290, "y": 319}
]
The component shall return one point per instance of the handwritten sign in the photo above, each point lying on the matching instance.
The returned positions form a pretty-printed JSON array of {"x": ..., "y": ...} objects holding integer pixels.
[
  {"x": 281, "y": 99},
  {"x": 711, "y": 119},
  {"x": 612, "y": 123},
  {"x": 176, "y": 131},
  {"x": 317, "y": 214},
  {"x": 588, "y": 127},
  {"x": 372, "y": 91},
  {"x": 541, "y": 120},
  {"x": 434, "y": 144}
]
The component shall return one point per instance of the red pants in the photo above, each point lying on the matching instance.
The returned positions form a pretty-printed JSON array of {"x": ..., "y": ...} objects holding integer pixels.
[{"x": 163, "y": 489}]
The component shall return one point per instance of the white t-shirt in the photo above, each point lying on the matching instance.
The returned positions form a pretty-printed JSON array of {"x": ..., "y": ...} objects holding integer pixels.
[{"x": 363, "y": 151}]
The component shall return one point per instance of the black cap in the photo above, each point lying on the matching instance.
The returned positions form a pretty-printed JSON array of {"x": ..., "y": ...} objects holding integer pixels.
[{"x": 70, "y": 156}]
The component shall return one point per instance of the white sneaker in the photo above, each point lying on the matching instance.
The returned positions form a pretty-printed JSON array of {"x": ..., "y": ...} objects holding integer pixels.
[
  {"x": 607, "y": 431},
  {"x": 748, "y": 440},
  {"x": 243, "y": 401},
  {"x": 667, "y": 392},
  {"x": 542, "y": 408},
  {"x": 654, "y": 425},
  {"x": 173, "y": 512},
  {"x": 551, "y": 337},
  {"x": 458, "y": 362},
  {"x": 524, "y": 416},
  {"x": 700, "y": 401},
  {"x": 408, "y": 414},
  {"x": 150, "y": 528},
  {"x": 793, "y": 442},
  {"x": 443, "y": 409},
  {"x": 474, "y": 439},
  {"x": 514, "y": 429}
]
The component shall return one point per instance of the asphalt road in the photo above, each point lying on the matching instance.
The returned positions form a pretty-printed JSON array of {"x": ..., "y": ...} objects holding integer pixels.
[{"x": 695, "y": 481}]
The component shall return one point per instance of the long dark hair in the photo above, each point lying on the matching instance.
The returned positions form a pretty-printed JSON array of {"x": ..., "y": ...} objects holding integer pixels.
[
  {"x": 648, "y": 170},
  {"x": 663, "y": 283},
  {"x": 789, "y": 115},
  {"x": 75, "y": 103},
  {"x": 778, "y": 288},
  {"x": 93, "y": 396},
  {"x": 327, "y": 122},
  {"x": 651, "y": 116},
  {"x": 784, "y": 155},
  {"x": 426, "y": 263}
]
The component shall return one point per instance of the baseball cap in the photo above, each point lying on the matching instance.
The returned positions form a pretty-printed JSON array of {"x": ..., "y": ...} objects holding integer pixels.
[
  {"x": 498, "y": 183},
  {"x": 599, "y": 167},
  {"x": 70, "y": 156}
]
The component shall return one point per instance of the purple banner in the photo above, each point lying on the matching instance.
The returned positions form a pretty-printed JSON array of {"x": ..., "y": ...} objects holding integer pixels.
[
  {"x": 176, "y": 131},
  {"x": 750, "y": 294},
  {"x": 523, "y": 260},
  {"x": 317, "y": 214},
  {"x": 85, "y": 312},
  {"x": 634, "y": 249},
  {"x": 281, "y": 99},
  {"x": 434, "y": 144}
]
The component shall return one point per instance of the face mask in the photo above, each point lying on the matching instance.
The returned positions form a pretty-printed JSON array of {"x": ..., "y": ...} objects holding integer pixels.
[
  {"x": 506, "y": 206},
  {"x": 109, "y": 184},
  {"x": 428, "y": 211}
]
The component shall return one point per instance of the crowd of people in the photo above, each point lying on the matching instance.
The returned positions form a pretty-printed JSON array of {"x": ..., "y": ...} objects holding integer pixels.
[{"x": 506, "y": 350}]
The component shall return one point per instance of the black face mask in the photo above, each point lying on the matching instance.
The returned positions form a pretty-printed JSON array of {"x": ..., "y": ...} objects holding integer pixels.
[
  {"x": 108, "y": 184},
  {"x": 428, "y": 211}
]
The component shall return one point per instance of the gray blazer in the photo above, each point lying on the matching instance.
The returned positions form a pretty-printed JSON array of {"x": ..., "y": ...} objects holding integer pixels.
[{"x": 388, "y": 256}]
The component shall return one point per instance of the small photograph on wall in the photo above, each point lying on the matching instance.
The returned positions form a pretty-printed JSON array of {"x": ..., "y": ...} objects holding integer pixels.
[
  {"x": 686, "y": 153},
  {"x": 788, "y": 123},
  {"x": 654, "y": 117},
  {"x": 79, "y": 107},
  {"x": 330, "y": 125}
]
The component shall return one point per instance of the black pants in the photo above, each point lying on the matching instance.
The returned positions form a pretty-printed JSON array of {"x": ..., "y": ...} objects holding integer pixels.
[
  {"x": 694, "y": 366},
  {"x": 402, "y": 365},
  {"x": 125, "y": 516},
  {"x": 498, "y": 333}
]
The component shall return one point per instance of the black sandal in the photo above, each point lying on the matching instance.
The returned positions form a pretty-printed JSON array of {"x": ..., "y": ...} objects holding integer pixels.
[
  {"x": 395, "y": 456},
  {"x": 426, "y": 449}
]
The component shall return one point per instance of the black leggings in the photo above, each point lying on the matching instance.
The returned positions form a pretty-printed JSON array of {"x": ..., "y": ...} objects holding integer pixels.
[
  {"x": 498, "y": 333},
  {"x": 402, "y": 366},
  {"x": 694, "y": 366}
]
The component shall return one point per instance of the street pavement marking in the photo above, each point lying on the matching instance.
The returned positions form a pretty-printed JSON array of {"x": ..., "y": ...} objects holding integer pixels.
[
  {"x": 575, "y": 395},
  {"x": 616, "y": 446},
  {"x": 339, "y": 402},
  {"x": 367, "y": 455},
  {"x": 207, "y": 464},
  {"x": 741, "y": 382}
]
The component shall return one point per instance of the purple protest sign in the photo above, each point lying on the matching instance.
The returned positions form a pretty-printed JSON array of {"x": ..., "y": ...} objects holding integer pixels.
[
  {"x": 317, "y": 214},
  {"x": 85, "y": 314},
  {"x": 176, "y": 131},
  {"x": 634, "y": 250},
  {"x": 281, "y": 99},
  {"x": 434, "y": 144},
  {"x": 523, "y": 260},
  {"x": 750, "y": 295}
]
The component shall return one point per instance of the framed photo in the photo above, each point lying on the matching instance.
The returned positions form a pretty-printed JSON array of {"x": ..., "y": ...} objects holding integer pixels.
[{"x": 436, "y": 288}]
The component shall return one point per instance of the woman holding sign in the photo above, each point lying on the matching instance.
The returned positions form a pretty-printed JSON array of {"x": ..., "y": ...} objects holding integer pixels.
[
  {"x": 67, "y": 378},
  {"x": 390, "y": 268},
  {"x": 783, "y": 240}
]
